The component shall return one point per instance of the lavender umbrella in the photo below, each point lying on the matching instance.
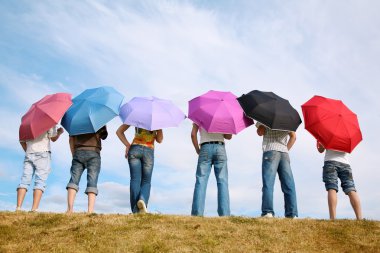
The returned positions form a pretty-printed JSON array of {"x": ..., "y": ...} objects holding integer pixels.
[
  {"x": 151, "y": 113},
  {"x": 218, "y": 112}
]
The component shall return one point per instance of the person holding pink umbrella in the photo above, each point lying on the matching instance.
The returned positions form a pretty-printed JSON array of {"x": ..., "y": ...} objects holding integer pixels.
[
  {"x": 37, "y": 163},
  {"x": 38, "y": 127}
]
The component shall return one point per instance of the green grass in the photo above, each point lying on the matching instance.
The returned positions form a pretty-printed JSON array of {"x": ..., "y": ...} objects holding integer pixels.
[{"x": 49, "y": 232}]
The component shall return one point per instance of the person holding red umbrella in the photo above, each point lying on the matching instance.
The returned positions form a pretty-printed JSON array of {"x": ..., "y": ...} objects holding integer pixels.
[
  {"x": 336, "y": 166},
  {"x": 337, "y": 131},
  {"x": 37, "y": 163}
]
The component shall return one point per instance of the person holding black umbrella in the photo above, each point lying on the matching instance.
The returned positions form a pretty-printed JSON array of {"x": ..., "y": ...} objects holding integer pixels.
[
  {"x": 276, "y": 120},
  {"x": 276, "y": 160}
]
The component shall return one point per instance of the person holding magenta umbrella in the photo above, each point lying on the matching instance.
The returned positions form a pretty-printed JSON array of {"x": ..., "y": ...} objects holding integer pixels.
[{"x": 216, "y": 116}]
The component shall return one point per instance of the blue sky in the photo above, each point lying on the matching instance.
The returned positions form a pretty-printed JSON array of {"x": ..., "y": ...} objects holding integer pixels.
[{"x": 178, "y": 50}]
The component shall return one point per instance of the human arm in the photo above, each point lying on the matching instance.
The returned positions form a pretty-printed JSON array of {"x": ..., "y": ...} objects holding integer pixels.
[
  {"x": 56, "y": 137},
  {"x": 72, "y": 147},
  {"x": 159, "y": 135},
  {"x": 103, "y": 133},
  {"x": 320, "y": 147},
  {"x": 23, "y": 145},
  {"x": 260, "y": 130},
  {"x": 227, "y": 136},
  {"x": 120, "y": 132},
  {"x": 292, "y": 140},
  {"x": 194, "y": 138}
]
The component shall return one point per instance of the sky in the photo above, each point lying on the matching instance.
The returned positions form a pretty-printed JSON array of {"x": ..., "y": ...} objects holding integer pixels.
[{"x": 178, "y": 50}]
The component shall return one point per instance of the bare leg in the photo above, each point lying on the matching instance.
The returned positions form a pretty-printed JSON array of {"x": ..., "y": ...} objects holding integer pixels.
[
  {"x": 355, "y": 203},
  {"x": 91, "y": 202},
  {"x": 71, "y": 193},
  {"x": 332, "y": 200},
  {"x": 37, "y": 194},
  {"x": 20, "y": 197}
]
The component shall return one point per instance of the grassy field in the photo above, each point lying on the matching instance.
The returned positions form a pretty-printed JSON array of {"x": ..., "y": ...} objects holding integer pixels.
[{"x": 49, "y": 232}]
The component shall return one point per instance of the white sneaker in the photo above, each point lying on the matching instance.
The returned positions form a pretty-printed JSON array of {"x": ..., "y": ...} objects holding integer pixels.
[
  {"x": 142, "y": 207},
  {"x": 268, "y": 215},
  {"x": 18, "y": 209}
]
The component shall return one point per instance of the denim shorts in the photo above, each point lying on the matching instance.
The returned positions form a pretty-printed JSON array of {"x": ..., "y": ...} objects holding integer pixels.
[
  {"x": 37, "y": 165},
  {"x": 333, "y": 170},
  {"x": 85, "y": 159}
]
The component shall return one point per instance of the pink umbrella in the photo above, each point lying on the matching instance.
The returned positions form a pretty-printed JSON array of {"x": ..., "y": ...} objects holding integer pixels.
[
  {"x": 218, "y": 112},
  {"x": 43, "y": 115}
]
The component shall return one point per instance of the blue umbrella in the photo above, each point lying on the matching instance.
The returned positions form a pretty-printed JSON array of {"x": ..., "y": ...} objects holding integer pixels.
[{"x": 91, "y": 110}]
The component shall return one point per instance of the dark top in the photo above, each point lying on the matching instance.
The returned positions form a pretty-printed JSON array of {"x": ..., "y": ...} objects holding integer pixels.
[{"x": 90, "y": 141}]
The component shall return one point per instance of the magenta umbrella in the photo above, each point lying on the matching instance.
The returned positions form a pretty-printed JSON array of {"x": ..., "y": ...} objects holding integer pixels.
[
  {"x": 218, "y": 112},
  {"x": 43, "y": 115}
]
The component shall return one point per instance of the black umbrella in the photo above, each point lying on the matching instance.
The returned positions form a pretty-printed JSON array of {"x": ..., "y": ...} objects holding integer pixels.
[{"x": 271, "y": 110}]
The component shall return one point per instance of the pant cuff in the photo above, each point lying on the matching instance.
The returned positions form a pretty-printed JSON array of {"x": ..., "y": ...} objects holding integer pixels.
[
  {"x": 72, "y": 186},
  {"x": 91, "y": 190}
]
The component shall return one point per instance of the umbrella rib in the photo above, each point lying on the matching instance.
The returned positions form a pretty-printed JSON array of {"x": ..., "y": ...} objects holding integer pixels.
[{"x": 327, "y": 118}]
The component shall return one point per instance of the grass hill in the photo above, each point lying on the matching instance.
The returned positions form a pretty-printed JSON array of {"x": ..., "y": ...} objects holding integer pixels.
[{"x": 50, "y": 232}]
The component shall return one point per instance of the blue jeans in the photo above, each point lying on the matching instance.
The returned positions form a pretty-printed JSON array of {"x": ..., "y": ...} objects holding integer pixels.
[
  {"x": 141, "y": 161},
  {"x": 211, "y": 154},
  {"x": 37, "y": 164},
  {"x": 278, "y": 162},
  {"x": 332, "y": 170},
  {"x": 83, "y": 159}
]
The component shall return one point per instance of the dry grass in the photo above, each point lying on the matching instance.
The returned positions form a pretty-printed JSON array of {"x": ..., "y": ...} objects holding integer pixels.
[{"x": 48, "y": 232}]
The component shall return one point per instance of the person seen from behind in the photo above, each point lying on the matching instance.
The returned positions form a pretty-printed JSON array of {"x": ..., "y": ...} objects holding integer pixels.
[
  {"x": 37, "y": 163},
  {"x": 211, "y": 151},
  {"x": 336, "y": 165},
  {"x": 140, "y": 155},
  {"x": 85, "y": 149},
  {"x": 276, "y": 147}
]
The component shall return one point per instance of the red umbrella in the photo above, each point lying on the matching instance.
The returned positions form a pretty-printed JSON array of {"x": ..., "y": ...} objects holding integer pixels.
[
  {"x": 43, "y": 115},
  {"x": 332, "y": 123}
]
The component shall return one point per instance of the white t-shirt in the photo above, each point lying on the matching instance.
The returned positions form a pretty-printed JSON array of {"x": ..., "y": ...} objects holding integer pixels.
[
  {"x": 332, "y": 155},
  {"x": 207, "y": 137},
  {"x": 42, "y": 142}
]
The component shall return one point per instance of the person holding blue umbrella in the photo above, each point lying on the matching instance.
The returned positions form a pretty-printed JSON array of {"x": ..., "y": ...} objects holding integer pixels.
[
  {"x": 86, "y": 123},
  {"x": 85, "y": 149}
]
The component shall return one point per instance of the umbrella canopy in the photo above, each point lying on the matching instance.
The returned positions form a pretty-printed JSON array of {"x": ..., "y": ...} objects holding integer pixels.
[
  {"x": 43, "y": 115},
  {"x": 271, "y": 110},
  {"x": 332, "y": 123},
  {"x": 151, "y": 113},
  {"x": 91, "y": 110},
  {"x": 218, "y": 112}
]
